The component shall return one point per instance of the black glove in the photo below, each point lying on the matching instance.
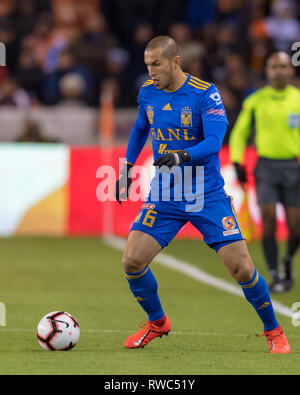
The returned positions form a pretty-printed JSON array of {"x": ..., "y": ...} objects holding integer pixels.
[
  {"x": 124, "y": 182},
  {"x": 240, "y": 172},
  {"x": 173, "y": 159}
]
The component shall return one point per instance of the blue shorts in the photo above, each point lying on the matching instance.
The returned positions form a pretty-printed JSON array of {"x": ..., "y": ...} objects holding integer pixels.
[{"x": 216, "y": 221}]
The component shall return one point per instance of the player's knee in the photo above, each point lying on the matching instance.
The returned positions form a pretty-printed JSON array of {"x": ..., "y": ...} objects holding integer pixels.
[
  {"x": 244, "y": 274},
  {"x": 243, "y": 269},
  {"x": 132, "y": 263}
]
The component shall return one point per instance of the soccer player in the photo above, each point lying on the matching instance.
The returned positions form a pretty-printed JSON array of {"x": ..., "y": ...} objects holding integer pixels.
[
  {"x": 275, "y": 110},
  {"x": 187, "y": 120}
]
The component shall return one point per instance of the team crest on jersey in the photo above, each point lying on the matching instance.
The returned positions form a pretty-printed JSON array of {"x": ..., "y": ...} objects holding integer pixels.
[
  {"x": 150, "y": 114},
  {"x": 186, "y": 117}
]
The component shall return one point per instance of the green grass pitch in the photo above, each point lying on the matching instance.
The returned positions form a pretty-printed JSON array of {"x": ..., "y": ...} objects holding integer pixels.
[{"x": 213, "y": 332}]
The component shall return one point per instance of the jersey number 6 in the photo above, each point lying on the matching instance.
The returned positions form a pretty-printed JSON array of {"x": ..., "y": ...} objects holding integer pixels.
[{"x": 150, "y": 217}]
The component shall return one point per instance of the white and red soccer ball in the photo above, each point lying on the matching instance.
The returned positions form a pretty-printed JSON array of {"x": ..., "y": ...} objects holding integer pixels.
[{"x": 58, "y": 331}]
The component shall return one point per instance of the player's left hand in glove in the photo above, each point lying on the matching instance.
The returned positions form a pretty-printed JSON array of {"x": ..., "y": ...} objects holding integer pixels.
[
  {"x": 173, "y": 159},
  {"x": 124, "y": 182}
]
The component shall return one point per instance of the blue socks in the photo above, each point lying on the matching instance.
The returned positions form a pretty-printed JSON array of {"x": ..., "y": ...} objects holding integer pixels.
[
  {"x": 143, "y": 285},
  {"x": 257, "y": 293}
]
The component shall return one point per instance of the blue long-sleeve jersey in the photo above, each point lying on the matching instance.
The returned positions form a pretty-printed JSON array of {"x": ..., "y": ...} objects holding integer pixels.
[{"x": 192, "y": 118}]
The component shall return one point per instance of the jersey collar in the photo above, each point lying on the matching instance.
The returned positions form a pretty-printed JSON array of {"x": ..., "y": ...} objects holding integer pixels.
[
  {"x": 181, "y": 86},
  {"x": 279, "y": 93}
]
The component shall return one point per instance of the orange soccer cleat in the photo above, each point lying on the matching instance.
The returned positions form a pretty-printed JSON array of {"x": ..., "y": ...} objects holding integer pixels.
[
  {"x": 277, "y": 341},
  {"x": 147, "y": 333}
]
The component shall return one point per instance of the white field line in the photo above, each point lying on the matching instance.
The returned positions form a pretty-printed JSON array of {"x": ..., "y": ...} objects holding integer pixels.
[
  {"x": 198, "y": 274},
  {"x": 113, "y": 331}
]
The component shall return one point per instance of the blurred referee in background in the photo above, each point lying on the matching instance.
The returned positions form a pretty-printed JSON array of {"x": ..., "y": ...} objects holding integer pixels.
[{"x": 275, "y": 111}]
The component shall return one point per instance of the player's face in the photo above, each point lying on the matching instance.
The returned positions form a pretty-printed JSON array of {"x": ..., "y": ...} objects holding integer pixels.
[
  {"x": 160, "y": 69},
  {"x": 279, "y": 70}
]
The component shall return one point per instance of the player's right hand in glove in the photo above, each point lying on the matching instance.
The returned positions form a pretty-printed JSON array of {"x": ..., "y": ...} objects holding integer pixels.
[
  {"x": 123, "y": 183},
  {"x": 173, "y": 159},
  {"x": 240, "y": 172}
]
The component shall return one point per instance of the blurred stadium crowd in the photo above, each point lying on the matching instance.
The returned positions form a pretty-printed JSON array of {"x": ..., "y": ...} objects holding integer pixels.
[{"x": 66, "y": 51}]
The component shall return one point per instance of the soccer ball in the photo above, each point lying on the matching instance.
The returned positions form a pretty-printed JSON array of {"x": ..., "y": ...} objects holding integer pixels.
[{"x": 58, "y": 331}]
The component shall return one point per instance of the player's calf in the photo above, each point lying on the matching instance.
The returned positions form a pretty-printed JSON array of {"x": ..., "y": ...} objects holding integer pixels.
[
  {"x": 139, "y": 251},
  {"x": 255, "y": 289}
]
